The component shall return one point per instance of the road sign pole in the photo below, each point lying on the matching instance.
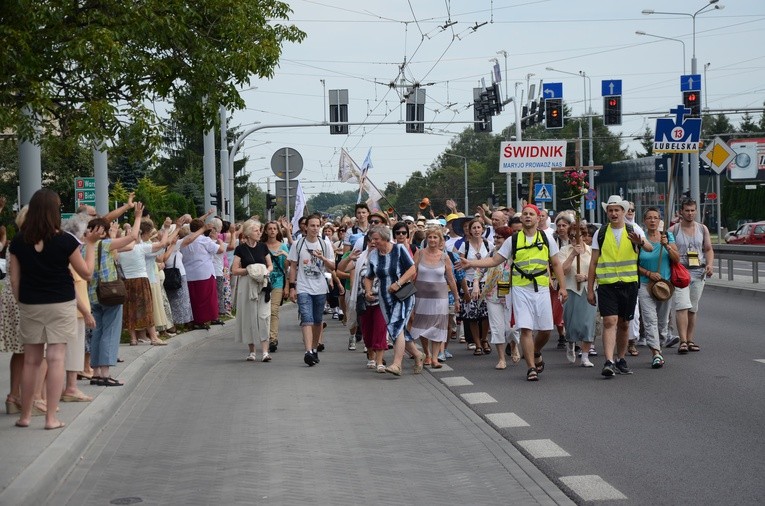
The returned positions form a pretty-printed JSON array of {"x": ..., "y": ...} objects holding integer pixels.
[
  {"x": 287, "y": 175},
  {"x": 695, "y": 156},
  {"x": 719, "y": 210}
]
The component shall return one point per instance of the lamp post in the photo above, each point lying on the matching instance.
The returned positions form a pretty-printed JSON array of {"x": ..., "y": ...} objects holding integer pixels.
[
  {"x": 639, "y": 32},
  {"x": 588, "y": 114},
  {"x": 711, "y": 4},
  {"x": 464, "y": 159}
]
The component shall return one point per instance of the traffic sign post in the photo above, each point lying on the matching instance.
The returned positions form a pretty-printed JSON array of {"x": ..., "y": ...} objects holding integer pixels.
[
  {"x": 718, "y": 155},
  {"x": 679, "y": 135},
  {"x": 543, "y": 192}
]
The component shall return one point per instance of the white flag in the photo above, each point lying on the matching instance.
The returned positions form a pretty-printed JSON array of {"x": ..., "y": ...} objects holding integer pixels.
[
  {"x": 367, "y": 163},
  {"x": 348, "y": 171},
  {"x": 299, "y": 206},
  {"x": 374, "y": 197}
]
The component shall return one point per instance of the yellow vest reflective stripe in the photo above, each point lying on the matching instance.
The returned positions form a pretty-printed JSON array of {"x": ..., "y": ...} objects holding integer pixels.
[
  {"x": 617, "y": 264},
  {"x": 533, "y": 261}
]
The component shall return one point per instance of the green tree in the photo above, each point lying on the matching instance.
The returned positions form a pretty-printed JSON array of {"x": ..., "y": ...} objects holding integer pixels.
[
  {"x": 84, "y": 67},
  {"x": 747, "y": 124},
  {"x": 646, "y": 140}
]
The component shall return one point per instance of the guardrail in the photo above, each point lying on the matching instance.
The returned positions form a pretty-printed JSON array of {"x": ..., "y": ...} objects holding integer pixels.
[{"x": 726, "y": 254}]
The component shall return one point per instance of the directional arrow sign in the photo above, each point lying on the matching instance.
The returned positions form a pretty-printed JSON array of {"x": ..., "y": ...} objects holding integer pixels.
[
  {"x": 690, "y": 82},
  {"x": 718, "y": 155},
  {"x": 552, "y": 90},
  {"x": 611, "y": 87}
]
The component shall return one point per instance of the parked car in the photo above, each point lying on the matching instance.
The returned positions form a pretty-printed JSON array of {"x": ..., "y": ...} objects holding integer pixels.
[{"x": 749, "y": 233}]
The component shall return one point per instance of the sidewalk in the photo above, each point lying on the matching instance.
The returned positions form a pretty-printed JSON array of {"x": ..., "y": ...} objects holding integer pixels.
[{"x": 35, "y": 462}]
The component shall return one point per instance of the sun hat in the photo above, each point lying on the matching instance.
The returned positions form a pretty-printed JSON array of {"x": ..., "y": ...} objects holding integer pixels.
[{"x": 616, "y": 200}]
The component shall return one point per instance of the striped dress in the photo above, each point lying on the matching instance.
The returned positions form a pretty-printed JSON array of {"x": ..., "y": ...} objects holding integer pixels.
[
  {"x": 388, "y": 269},
  {"x": 431, "y": 309}
]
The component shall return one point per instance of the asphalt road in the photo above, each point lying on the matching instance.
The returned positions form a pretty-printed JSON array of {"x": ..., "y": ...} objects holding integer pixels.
[{"x": 690, "y": 433}]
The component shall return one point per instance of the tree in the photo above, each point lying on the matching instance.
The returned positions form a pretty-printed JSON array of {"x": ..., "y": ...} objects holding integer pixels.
[
  {"x": 85, "y": 67},
  {"x": 647, "y": 142},
  {"x": 747, "y": 124}
]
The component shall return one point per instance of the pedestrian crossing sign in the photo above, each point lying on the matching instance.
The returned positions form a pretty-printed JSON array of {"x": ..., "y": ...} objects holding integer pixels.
[{"x": 543, "y": 192}]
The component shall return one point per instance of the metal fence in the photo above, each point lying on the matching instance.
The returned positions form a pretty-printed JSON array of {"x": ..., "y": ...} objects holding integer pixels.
[{"x": 732, "y": 261}]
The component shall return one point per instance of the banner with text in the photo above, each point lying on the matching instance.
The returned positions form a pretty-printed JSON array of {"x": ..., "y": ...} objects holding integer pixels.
[{"x": 532, "y": 156}]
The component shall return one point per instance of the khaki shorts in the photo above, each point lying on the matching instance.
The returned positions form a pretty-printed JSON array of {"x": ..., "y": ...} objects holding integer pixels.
[
  {"x": 48, "y": 323},
  {"x": 688, "y": 297}
]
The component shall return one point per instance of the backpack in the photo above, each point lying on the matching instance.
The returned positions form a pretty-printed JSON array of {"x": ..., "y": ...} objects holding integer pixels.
[
  {"x": 467, "y": 246},
  {"x": 602, "y": 235},
  {"x": 301, "y": 243},
  {"x": 532, "y": 276}
]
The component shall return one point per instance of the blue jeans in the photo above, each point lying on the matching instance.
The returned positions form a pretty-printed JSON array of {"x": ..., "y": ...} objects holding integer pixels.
[
  {"x": 311, "y": 308},
  {"x": 105, "y": 338}
]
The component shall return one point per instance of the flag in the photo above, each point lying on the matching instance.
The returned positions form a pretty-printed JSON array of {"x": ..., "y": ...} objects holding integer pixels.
[
  {"x": 497, "y": 73},
  {"x": 367, "y": 163},
  {"x": 348, "y": 171},
  {"x": 299, "y": 206},
  {"x": 374, "y": 197}
]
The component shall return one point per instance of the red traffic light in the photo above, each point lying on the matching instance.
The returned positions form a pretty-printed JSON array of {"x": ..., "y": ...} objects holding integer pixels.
[
  {"x": 692, "y": 97},
  {"x": 612, "y": 102}
]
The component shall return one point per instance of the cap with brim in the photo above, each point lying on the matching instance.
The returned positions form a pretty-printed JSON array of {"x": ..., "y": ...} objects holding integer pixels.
[
  {"x": 450, "y": 217},
  {"x": 433, "y": 222},
  {"x": 616, "y": 200},
  {"x": 407, "y": 218},
  {"x": 442, "y": 222},
  {"x": 381, "y": 216}
]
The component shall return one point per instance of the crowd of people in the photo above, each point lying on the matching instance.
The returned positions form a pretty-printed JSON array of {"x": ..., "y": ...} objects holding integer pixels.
[{"x": 499, "y": 282}]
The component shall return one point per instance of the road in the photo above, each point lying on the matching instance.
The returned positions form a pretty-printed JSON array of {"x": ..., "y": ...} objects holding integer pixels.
[{"x": 690, "y": 433}]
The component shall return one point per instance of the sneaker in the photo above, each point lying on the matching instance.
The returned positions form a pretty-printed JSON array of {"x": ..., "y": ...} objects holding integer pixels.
[
  {"x": 448, "y": 354},
  {"x": 586, "y": 362},
  {"x": 657, "y": 362},
  {"x": 308, "y": 359},
  {"x": 642, "y": 342},
  {"x": 571, "y": 352},
  {"x": 593, "y": 351},
  {"x": 608, "y": 369},
  {"x": 471, "y": 346},
  {"x": 320, "y": 347},
  {"x": 352, "y": 344},
  {"x": 672, "y": 341},
  {"x": 315, "y": 356},
  {"x": 441, "y": 357},
  {"x": 271, "y": 347},
  {"x": 622, "y": 367},
  {"x": 252, "y": 357},
  {"x": 371, "y": 364},
  {"x": 561, "y": 343},
  {"x": 335, "y": 316},
  {"x": 266, "y": 358}
]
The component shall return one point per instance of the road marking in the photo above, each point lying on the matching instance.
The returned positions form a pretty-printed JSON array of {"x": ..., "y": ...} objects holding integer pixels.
[
  {"x": 760, "y": 360},
  {"x": 543, "y": 448},
  {"x": 478, "y": 398},
  {"x": 443, "y": 368},
  {"x": 506, "y": 420},
  {"x": 591, "y": 488},
  {"x": 456, "y": 381}
]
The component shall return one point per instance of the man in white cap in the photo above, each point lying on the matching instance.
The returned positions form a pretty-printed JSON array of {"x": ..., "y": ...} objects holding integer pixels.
[{"x": 615, "y": 249}]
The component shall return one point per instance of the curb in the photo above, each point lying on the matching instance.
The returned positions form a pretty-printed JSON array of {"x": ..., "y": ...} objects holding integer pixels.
[{"x": 37, "y": 481}]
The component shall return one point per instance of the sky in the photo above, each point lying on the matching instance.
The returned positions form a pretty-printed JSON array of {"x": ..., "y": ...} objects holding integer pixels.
[{"x": 449, "y": 46}]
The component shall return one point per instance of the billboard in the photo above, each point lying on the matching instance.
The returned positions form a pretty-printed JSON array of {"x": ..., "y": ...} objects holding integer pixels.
[
  {"x": 532, "y": 156},
  {"x": 749, "y": 163}
]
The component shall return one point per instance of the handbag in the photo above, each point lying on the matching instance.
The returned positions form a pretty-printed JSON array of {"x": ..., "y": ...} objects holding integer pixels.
[
  {"x": 361, "y": 303},
  {"x": 110, "y": 293},
  {"x": 173, "y": 279},
  {"x": 405, "y": 291},
  {"x": 680, "y": 276},
  {"x": 661, "y": 289}
]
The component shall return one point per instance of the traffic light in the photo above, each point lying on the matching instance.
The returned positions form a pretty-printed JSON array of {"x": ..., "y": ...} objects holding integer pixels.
[
  {"x": 554, "y": 113},
  {"x": 525, "y": 120},
  {"x": 522, "y": 190},
  {"x": 217, "y": 200},
  {"x": 692, "y": 101},
  {"x": 338, "y": 111},
  {"x": 540, "y": 114},
  {"x": 481, "y": 111},
  {"x": 415, "y": 110},
  {"x": 494, "y": 99},
  {"x": 612, "y": 110},
  {"x": 270, "y": 201}
]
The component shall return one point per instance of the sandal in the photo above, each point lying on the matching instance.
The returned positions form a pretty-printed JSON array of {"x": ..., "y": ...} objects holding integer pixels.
[
  {"x": 683, "y": 348},
  {"x": 632, "y": 349},
  {"x": 486, "y": 349},
  {"x": 657, "y": 362},
  {"x": 435, "y": 364},
  {"x": 109, "y": 382},
  {"x": 532, "y": 374},
  {"x": 478, "y": 352},
  {"x": 394, "y": 370},
  {"x": 693, "y": 346},
  {"x": 539, "y": 366},
  {"x": 419, "y": 361}
]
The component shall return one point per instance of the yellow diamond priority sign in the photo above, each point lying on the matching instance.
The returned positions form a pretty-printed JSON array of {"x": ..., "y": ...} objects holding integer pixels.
[{"x": 718, "y": 155}]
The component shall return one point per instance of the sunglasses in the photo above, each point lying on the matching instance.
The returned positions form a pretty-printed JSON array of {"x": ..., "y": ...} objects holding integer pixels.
[
  {"x": 375, "y": 222},
  {"x": 401, "y": 232}
]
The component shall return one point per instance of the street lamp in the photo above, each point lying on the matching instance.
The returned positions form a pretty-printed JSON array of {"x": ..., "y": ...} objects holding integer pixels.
[
  {"x": 464, "y": 159},
  {"x": 591, "y": 161},
  {"x": 710, "y": 5},
  {"x": 639, "y": 32}
]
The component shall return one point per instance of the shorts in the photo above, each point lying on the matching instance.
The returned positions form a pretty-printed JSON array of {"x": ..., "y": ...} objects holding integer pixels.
[
  {"x": 688, "y": 297},
  {"x": 48, "y": 323},
  {"x": 311, "y": 308},
  {"x": 532, "y": 310},
  {"x": 618, "y": 299}
]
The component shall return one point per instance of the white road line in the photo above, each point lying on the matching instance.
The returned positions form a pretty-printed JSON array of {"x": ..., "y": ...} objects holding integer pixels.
[
  {"x": 444, "y": 368},
  {"x": 456, "y": 381},
  {"x": 543, "y": 448},
  {"x": 592, "y": 488},
  {"x": 478, "y": 398},
  {"x": 760, "y": 360},
  {"x": 506, "y": 420}
]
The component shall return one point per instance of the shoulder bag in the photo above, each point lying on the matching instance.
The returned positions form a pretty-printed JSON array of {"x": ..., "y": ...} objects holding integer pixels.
[
  {"x": 110, "y": 293},
  {"x": 407, "y": 289},
  {"x": 173, "y": 279},
  {"x": 662, "y": 289}
]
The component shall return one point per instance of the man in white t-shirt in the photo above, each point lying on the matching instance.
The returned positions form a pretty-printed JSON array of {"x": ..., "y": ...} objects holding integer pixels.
[
  {"x": 310, "y": 257},
  {"x": 534, "y": 258},
  {"x": 360, "y": 227}
]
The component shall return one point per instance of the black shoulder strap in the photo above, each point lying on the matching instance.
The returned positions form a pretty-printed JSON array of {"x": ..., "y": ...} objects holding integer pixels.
[{"x": 602, "y": 235}]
